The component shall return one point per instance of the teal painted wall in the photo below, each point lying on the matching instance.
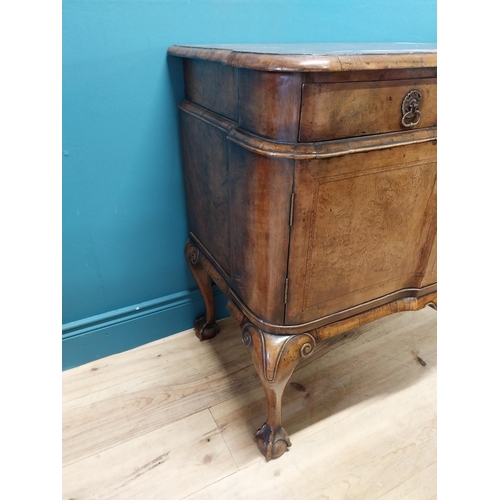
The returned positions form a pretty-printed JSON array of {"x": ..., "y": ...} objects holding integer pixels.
[{"x": 124, "y": 220}]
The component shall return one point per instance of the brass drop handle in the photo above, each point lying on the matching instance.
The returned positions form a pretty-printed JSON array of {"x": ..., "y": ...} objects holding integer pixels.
[{"x": 409, "y": 108}]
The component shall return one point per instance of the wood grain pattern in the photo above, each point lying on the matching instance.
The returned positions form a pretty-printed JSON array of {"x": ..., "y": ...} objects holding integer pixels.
[
  {"x": 365, "y": 425},
  {"x": 371, "y": 243},
  {"x": 338, "y": 110},
  {"x": 203, "y": 83},
  {"x": 160, "y": 464},
  {"x": 431, "y": 269},
  {"x": 361, "y": 224},
  {"x": 367, "y": 316},
  {"x": 206, "y": 178},
  {"x": 259, "y": 247},
  {"x": 270, "y": 104},
  {"x": 127, "y": 398}
]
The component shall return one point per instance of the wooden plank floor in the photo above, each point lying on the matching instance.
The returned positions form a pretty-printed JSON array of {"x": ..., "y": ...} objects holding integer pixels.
[{"x": 174, "y": 419}]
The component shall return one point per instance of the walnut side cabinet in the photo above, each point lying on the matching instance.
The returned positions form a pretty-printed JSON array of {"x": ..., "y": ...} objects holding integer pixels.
[{"x": 310, "y": 174}]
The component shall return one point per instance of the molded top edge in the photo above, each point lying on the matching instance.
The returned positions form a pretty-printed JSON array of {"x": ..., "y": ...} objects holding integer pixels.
[{"x": 314, "y": 56}]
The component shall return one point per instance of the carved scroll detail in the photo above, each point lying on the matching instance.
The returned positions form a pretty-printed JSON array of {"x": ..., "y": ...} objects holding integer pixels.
[
  {"x": 194, "y": 254},
  {"x": 278, "y": 349},
  {"x": 275, "y": 357}
]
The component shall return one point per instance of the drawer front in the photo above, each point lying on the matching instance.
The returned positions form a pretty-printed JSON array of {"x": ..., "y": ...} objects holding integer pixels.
[
  {"x": 352, "y": 109},
  {"x": 364, "y": 226}
]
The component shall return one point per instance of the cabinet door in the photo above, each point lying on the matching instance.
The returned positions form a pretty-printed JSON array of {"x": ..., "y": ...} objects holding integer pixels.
[
  {"x": 364, "y": 229},
  {"x": 260, "y": 193}
]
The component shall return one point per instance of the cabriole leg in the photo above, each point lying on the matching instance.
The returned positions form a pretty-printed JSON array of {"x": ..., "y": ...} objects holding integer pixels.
[
  {"x": 204, "y": 326},
  {"x": 275, "y": 358}
]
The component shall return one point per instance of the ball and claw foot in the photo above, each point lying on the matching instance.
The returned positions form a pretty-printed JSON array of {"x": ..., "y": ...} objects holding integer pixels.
[
  {"x": 272, "y": 443},
  {"x": 205, "y": 330}
]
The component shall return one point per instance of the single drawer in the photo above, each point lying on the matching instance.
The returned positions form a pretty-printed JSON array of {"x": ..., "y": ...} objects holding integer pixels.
[{"x": 351, "y": 109}]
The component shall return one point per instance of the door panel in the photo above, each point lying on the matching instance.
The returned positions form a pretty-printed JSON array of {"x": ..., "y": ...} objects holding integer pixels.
[{"x": 364, "y": 227}]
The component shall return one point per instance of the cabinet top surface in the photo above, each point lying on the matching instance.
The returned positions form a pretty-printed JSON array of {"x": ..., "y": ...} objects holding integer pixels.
[{"x": 314, "y": 56}]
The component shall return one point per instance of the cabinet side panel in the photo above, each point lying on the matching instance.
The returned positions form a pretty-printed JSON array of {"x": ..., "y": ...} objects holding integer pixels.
[
  {"x": 260, "y": 205},
  {"x": 204, "y": 152},
  {"x": 364, "y": 227},
  {"x": 213, "y": 86}
]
